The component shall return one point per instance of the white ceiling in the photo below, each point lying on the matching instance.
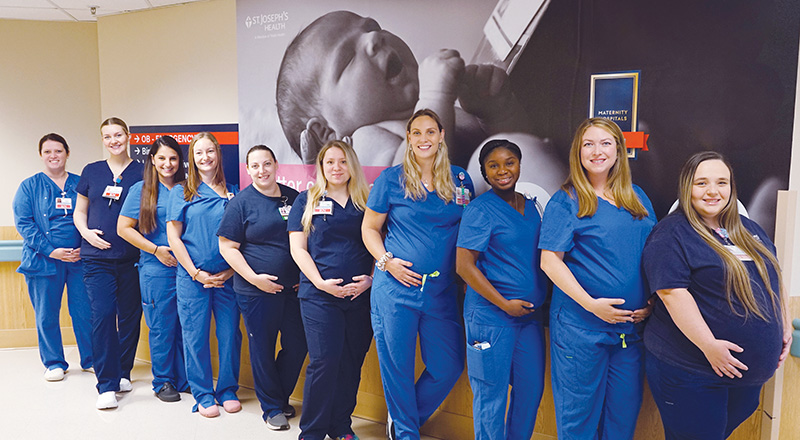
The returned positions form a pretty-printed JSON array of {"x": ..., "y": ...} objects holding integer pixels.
[{"x": 76, "y": 10}]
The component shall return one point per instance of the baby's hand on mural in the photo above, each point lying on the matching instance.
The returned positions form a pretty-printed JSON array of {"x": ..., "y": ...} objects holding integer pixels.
[
  {"x": 485, "y": 91},
  {"x": 315, "y": 135},
  {"x": 440, "y": 74}
]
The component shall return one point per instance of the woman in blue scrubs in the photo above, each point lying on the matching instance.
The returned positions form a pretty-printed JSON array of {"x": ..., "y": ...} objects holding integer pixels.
[
  {"x": 51, "y": 256},
  {"x": 498, "y": 257},
  {"x": 420, "y": 202},
  {"x": 721, "y": 325},
  {"x": 204, "y": 284},
  {"x": 109, "y": 270},
  {"x": 146, "y": 208},
  {"x": 254, "y": 242},
  {"x": 325, "y": 239},
  {"x": 592, "y": 236}
]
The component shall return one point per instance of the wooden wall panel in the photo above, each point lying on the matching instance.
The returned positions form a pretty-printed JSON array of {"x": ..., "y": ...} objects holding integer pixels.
[
  {"x": 790, "y": 398},
  {"x": 17, "y": 320}
]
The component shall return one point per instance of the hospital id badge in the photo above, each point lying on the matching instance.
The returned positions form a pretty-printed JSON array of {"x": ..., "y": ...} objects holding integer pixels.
[
  {"x": 63, "y": 203},
  {"x": 462, "y": 196},
  {"x": 325, "y": 207},
  {"x": 738, "y": 252},
  {"x": 112, "y": 192},
  {"x": 285, "y": 210}
]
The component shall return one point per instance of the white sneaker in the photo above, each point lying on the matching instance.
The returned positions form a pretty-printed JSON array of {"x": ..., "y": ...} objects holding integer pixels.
[
  {"x": 54, "y": 375},
  {"x": 391, "y": 434},
  {"x": 125, "y": 385},
  {"x": 107, "y": 400}
]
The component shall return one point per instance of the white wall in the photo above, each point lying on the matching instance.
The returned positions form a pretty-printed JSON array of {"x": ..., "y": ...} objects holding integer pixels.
[
  {"x": 50, "y": 83},
  {"x": 793, "y": 265},
  {"x": 174, "y": 65}
]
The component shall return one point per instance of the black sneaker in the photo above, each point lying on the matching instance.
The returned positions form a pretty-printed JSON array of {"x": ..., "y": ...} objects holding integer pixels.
[
  {"x": 289, "y": 411},
  {"x": 278, "y": 422},
  {"x": 168, "y": 393}
]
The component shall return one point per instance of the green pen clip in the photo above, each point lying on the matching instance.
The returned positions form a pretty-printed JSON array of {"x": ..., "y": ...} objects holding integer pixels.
[{"x": 425, "y": 278}]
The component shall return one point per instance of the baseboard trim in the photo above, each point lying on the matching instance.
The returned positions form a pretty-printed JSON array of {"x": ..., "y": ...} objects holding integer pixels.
[{"x": 26, "y": 337}]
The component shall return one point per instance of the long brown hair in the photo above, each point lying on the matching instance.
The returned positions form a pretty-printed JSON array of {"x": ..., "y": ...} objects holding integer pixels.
[
  {"x": 194, "y": 180},
  {"x": 443, "y": 182},
  {"x": 737, "y": 279},
  {"x": 357, "y": 186},
  {"x": 619, "y": 177},
  {"x": 150, "y": 186}
]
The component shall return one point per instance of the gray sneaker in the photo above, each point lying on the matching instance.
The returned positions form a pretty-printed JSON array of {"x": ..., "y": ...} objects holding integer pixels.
[{"x": 278, "y": 422}]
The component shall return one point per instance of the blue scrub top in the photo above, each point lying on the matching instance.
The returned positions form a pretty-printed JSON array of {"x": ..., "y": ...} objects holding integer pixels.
[
  {"x": 509, "y": 256},
  {"x": 103, "y": 215},
  {"x": 675, "y": 257},
  {"x": 43, "y": 227},
  {"x": 201, "y": 218},
  {"x": 335, "y": 245},
  {"x": 131, "y": 209},
  {"x": 602, "y": 251},
  {"x": 424, "y": 231},
  {"x": 254, "y": 221}
]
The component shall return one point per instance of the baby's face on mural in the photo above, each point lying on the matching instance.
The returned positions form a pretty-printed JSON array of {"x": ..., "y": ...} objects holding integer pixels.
[{"x": 366, "y": 74}]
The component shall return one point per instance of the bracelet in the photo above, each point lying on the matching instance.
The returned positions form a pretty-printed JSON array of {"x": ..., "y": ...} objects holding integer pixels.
[
  {"x": 154, "y": 252},
  {"x": 194, "y": 277},
  {"x": 381, "y": 263}
]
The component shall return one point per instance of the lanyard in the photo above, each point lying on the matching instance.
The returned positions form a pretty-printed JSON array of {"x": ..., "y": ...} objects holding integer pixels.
[
  {"x": 723, "y": 233},
  {"x": 284, "y": 210},
  {"x": 325, "y": 194},
  {"x": 63, "y": 194},
  {"x": 117, "y": 180},
  {"x": 462, "y": 196}
]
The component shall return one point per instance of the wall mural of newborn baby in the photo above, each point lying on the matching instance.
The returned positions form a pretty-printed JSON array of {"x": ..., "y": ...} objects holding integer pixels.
[{"x": 343, "y": 76}]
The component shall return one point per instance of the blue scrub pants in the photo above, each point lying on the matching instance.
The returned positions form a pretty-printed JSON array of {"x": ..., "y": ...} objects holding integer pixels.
[
  {"x": 161, "y": 315},
  {"x": 400, "y": 313},
  {"x": 195, "y": 306},
  {"x": 698, "y": 407},
  {"x": 597, "y": 384},
  {"x": 339, "y": 335},
  {"x": 516, "y": 357},
  {"x": 113, "y": 289},
  {"x": 46, "y": 293},
  {"x": 275, "y": 378}
]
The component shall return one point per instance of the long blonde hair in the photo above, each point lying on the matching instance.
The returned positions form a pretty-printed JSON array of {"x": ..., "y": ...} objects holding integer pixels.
[
  {"x": 443, "y": 182},
  {"x": 737, "y": 278},
  {"x": 357, "y": 185},
  {"x": 619, "y": 177},
  {"x": 193, "y": 180}
]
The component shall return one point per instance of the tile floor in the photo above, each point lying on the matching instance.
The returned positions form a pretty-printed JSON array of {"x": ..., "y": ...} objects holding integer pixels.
[{"x": 33, "y": 409}]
